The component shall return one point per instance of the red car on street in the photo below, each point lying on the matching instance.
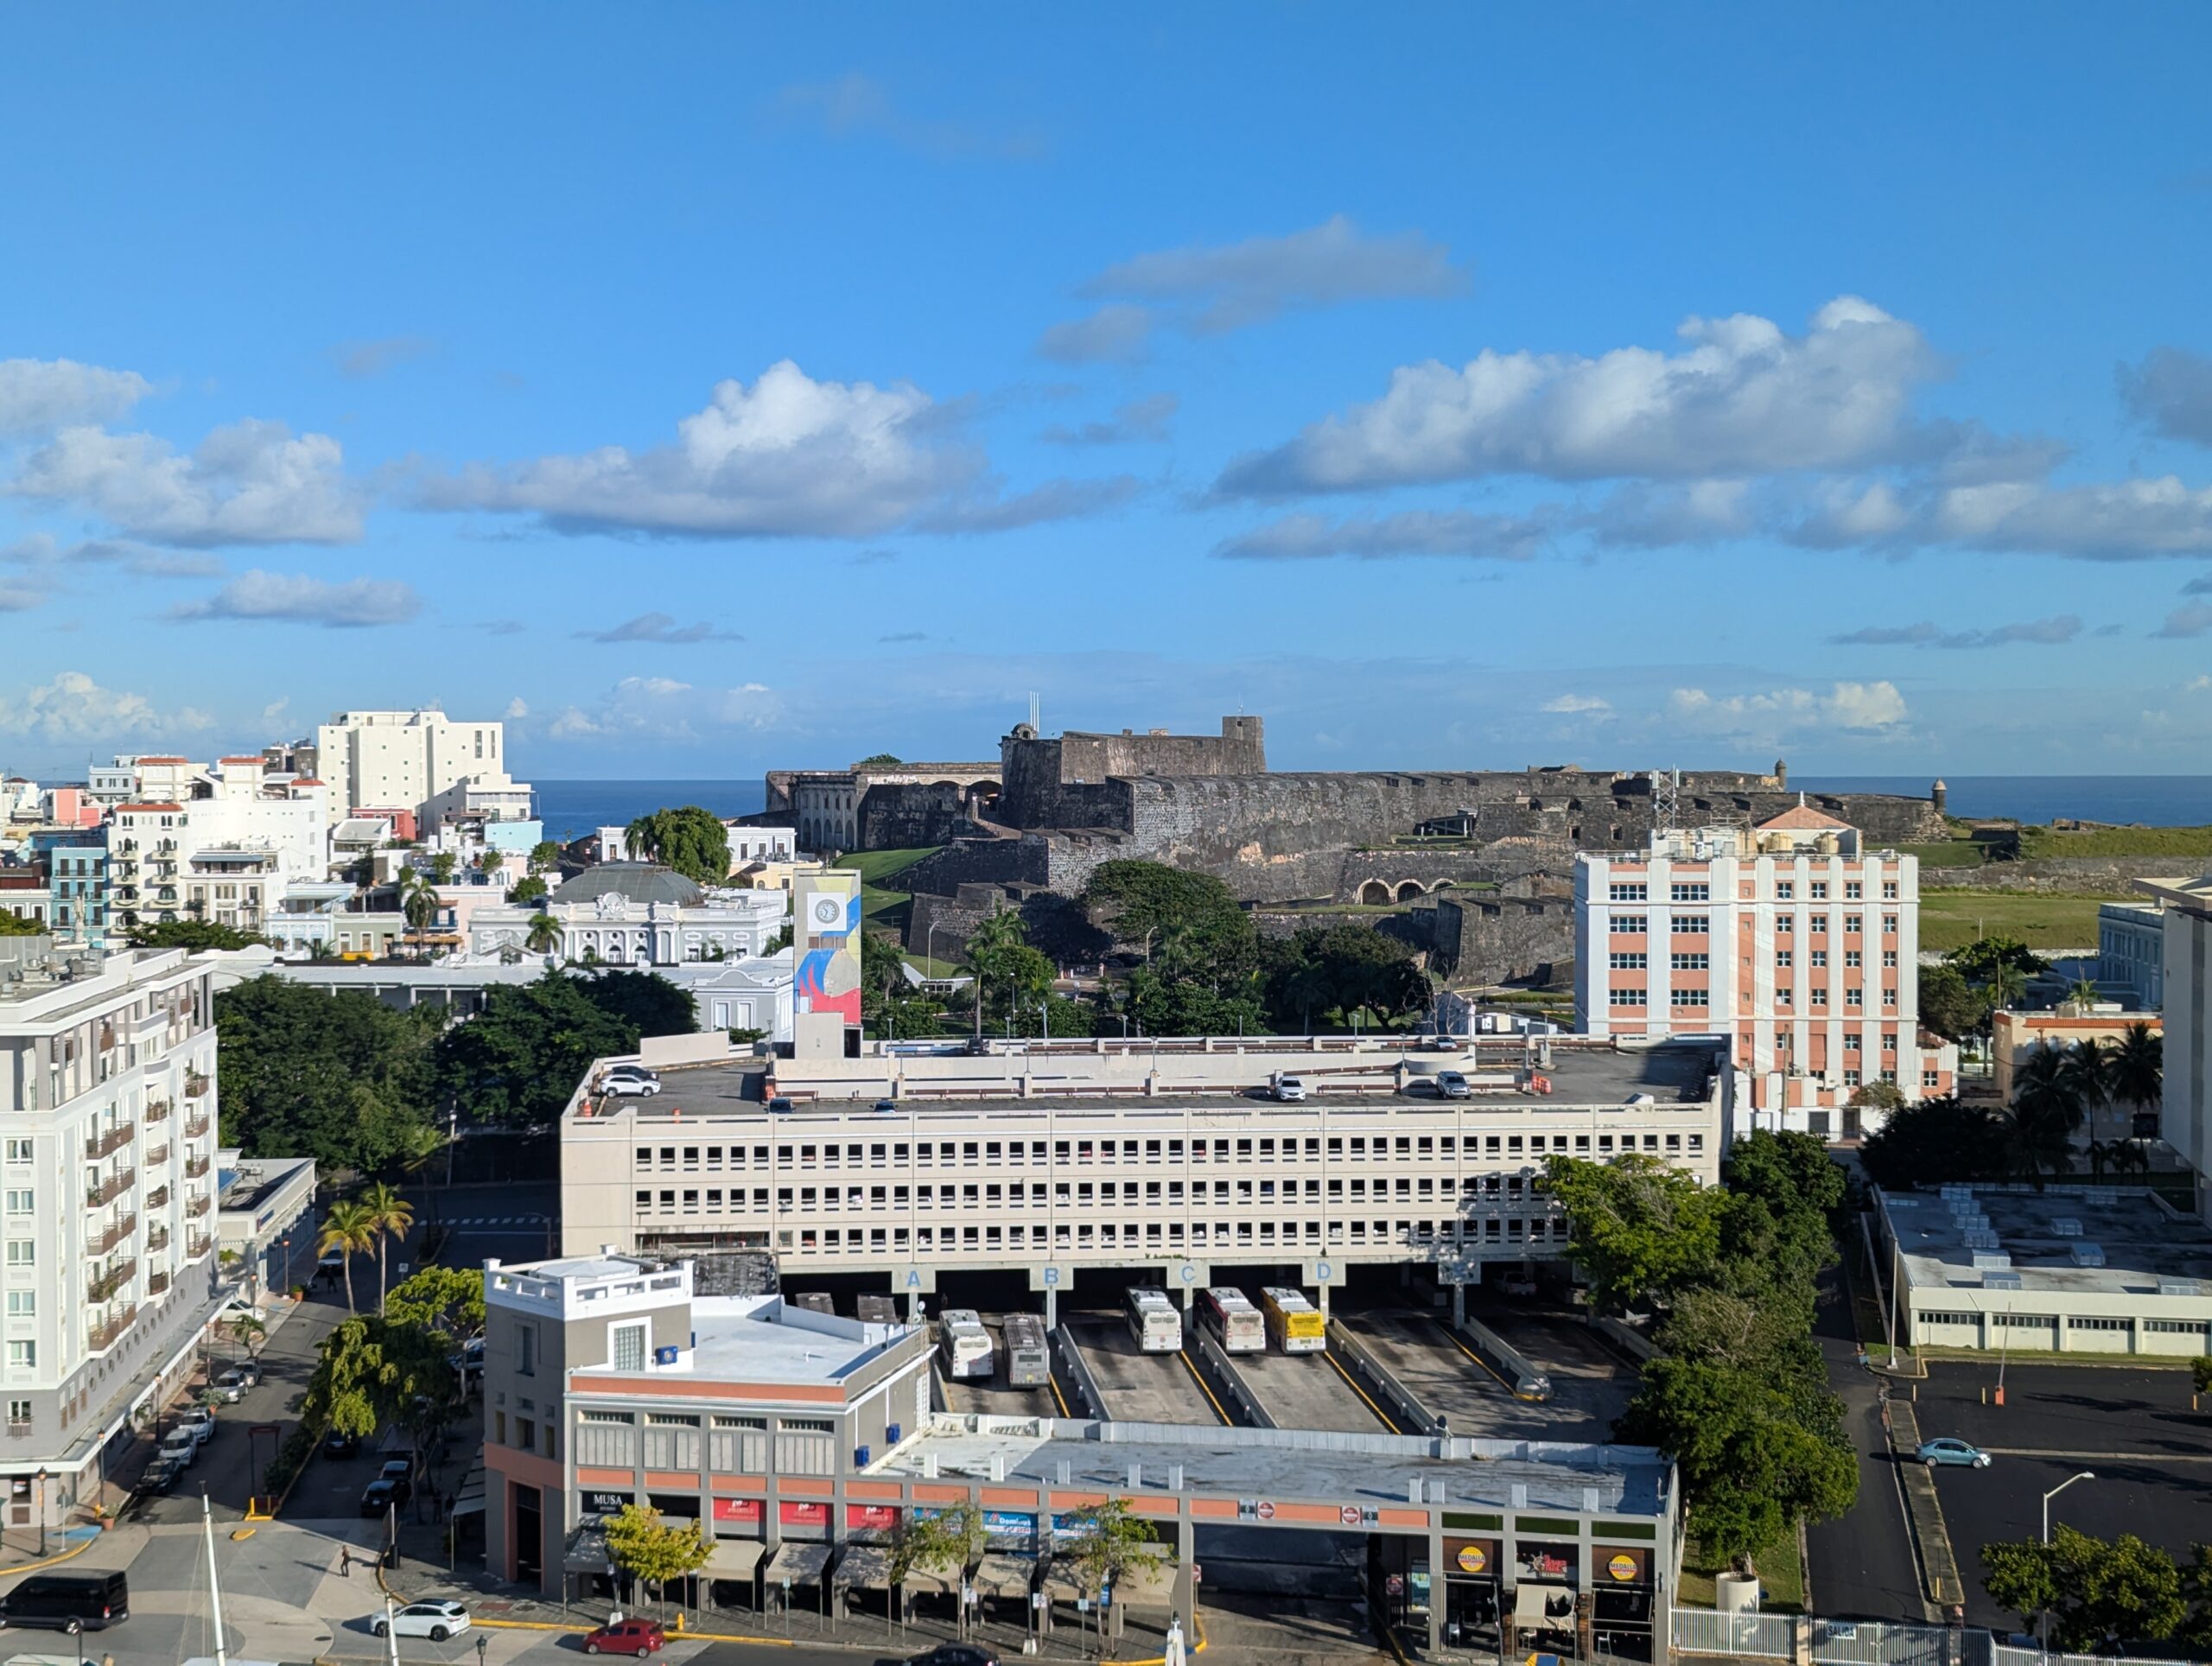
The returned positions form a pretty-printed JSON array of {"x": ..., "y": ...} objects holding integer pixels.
[{"x": 628, "y": 1637}]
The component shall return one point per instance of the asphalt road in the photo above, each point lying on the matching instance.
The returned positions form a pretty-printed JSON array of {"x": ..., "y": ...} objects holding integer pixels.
[
  {"x": 1862, "y": 1564},
  {"x": 2133, "y": 1429}
]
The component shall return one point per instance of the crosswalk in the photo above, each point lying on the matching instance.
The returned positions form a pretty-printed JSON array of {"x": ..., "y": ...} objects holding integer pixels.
[{"x": 483, "y": 1221}]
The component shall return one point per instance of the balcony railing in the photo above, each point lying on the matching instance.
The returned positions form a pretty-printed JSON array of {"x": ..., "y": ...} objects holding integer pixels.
[
  {"x": 196, "y": 1247},
  {"x": 108, "y": 1191},
  {"x": 112, "y": 1280},
  {"x": 195, "y": 1085},
  {"x": 113, "y": 1141},
  {"x": 197, "y": 1205},
  {"x": 158, "y": 1240},
  {"x": 19, "y": 1426},
  {"x": 113, "y": 1236},
  {"x": 197, "y": 1127},
  {"x": 194, "y": 1167},
  {"x": 158, "y": 1156},
  {"x": 158, "y": 1197},
  {"x": 103, "y": 1333},
  {"x": 157, "y": 1284},
  {"x": 157, "y": 1111}
]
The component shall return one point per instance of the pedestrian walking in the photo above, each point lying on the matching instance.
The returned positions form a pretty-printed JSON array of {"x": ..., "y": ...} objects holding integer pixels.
[{"x": 346, "y": 1561}]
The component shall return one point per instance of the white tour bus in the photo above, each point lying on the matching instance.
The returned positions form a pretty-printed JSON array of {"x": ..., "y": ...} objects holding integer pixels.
[
  {"x": 1153, "y": 1320},
  {"x": 965, "y": 1344},
  {"x": 1236, "y": 1323},
  {"x": 1028, "y": 1365}
]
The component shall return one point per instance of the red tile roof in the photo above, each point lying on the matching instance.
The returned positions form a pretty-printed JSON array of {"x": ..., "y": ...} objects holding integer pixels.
[{"x": 1801, "y": 818}]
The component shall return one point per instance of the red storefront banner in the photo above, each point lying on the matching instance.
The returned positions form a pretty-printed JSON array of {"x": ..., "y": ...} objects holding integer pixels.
[
  {"x": 806, "y": 1513},
  {"x": 737, "y": 1510}
]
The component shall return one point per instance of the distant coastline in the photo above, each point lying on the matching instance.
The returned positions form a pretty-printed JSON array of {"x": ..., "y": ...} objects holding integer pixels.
[{"x": 572, "y": 809}]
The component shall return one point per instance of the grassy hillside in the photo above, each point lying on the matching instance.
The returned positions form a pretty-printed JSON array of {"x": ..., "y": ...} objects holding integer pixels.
[
  {"x": 882, "y": 903},
  {"x": 1951, "y": 920},
  {"x": 2117, "y": 841}
]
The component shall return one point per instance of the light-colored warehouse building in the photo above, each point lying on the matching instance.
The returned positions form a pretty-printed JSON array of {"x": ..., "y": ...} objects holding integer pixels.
[{"x": 2069, "y": 1270}]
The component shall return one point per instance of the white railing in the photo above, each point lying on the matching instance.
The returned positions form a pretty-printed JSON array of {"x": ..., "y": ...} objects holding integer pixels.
[{"x": 1703, "y": 1631}]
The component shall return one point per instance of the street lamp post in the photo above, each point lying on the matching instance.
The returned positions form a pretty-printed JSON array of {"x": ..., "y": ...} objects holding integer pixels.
[
  {"x": 41, "y": 1509},
  {"x": 2042, "y": 1620}
]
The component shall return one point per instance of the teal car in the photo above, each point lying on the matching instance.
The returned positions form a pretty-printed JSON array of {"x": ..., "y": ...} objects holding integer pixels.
[{"x": 1950, "y": 1450}]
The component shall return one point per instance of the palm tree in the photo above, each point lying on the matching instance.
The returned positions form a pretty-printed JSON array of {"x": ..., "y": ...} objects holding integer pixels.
[
  {"x": 1306, "y": 987},
  {"x": 418, "y": 901},
  {"x": 2139, "y": 1067},
  {"x": 2039, "y": 1142},
  {"x": 2007, "y": 986},
  {"x": 2085, "y": 1074},
  {"x": 321, "y": 949},
  {"x": 2082, "y": 992},
  {"x": 346, "y": 1232},
  {"x": 545, "y": 933},
  {"x": 389, "y": 1216},
  {"x": 252, "y": 1332}
]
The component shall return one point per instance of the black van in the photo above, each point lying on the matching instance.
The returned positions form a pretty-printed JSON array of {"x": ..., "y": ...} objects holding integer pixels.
[{"x": 68, "y": 1602}]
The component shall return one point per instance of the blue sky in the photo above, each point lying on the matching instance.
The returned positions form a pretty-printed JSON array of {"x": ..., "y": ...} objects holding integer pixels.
[{"x": 710, "y": 389}]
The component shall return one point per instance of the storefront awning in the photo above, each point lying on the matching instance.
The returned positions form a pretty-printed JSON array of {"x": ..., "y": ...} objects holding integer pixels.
[
  {"x": 1004, "y": 1574},
  {"x": 1143, "y": 1590},
  {"x": 586, "y": 1553},
  {"x": 799, "y": 1564},
  {"x": 865, "y": 1568},
  {"x": 1533, "y": 1606},
  {"x": 734, "y": 1559}
]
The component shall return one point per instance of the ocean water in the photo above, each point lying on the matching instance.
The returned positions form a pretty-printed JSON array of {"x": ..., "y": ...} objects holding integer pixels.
[
  {"x": 572, "y": 809},
  {"x": 2156, "y": 800}
]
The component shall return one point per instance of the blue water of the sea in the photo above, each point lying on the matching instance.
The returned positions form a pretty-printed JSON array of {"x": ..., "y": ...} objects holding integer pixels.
[
  {"x": 572, "y": 809},
  {"x": 2156, "y": 800}
]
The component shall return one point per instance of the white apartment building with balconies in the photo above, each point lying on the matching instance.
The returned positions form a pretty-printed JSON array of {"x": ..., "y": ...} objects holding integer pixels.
[
  {"x": 419, "y": 760},
  {"x": 1789, "y": 938},
  {"x": 107, "y": 1199}
]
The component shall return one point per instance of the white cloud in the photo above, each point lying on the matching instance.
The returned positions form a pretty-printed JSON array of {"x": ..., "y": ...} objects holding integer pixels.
[
  {"x": 2198, "y": 683},
  {"x": 2191, "y": 619},
  {"x": 659, "y": 627},
  {"x": 1140, "y": 420},
  {"x": 299, "y": 599},
  {"x": 274, "y": 710},
  {"x": 39, "y": 395},
  {"x": 1118, "y": 334},
  {"x": 1413, "y": 532},
  {"x": 853, "y": 104},
  {"x": 2170, "y": 393},
  {"x": 1226, "y": 286},
  {"x": 1642, "y": 516},
  {"x": 73, "y": 708},
  {"x": 785, "y": 457},
  {"x": 2059, "y": 629},
  {"x": 662, "y": 708},
  {"x": 361, "y": 359},
  {"x": 253, "y": 482},
  {"x": 1742, "y": 397},
  {"x": 1861, "y": 707},
  {"x": 1577, "y": 704}
]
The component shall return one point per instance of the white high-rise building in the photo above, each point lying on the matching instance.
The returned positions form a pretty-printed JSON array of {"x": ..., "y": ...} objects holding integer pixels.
[
  {"x": 1787, "y": 937},
  {"x": 108, "y": 1222},
  {"x": 415, "y": 761},
  {"x": 2185, "y": 1112}
]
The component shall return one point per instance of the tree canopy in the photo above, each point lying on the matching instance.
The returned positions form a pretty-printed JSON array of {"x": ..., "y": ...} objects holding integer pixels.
[
  {"x": 21, "y": 925},
  {"x": 690, "y": 840},
  {"x": 880, "y": 760},
  {"x": 341, "y": 1078},
  {"x": 647, "y": 1548},
  {"x": 2102, "y": 1594},
  {"x": 1934, "y": 1141},
  {"x": 646, "y": 1000},
  {"x": 518, "y": 1060},
  {"x": 194, "y": 934}
]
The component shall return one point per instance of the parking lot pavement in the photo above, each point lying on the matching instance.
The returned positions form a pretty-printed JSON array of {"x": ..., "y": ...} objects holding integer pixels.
[{"x": 2133, "y": 1429}]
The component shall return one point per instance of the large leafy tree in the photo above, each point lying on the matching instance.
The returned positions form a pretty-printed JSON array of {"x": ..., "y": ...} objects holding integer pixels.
[
  {"x": 647, "y": 1547},
  {"x": 1188, "y": 924},
  {"x": 1934, "y": 1141},
  {"x": 690, "y": 840},
  {"x": 1009, "y": 974},
  {"x": 190, "y": 934},
  {"x": 2100, "y": 1594},
  {"x": 1638, "y": 1227},
  {"x": 341, "y": 1078},
  {"x": 645, "y": 1000},
  {"x": 1950, "y": 1006},
  {"x": 518, "y": 1060},
  {"x": 24, "y": 926}
]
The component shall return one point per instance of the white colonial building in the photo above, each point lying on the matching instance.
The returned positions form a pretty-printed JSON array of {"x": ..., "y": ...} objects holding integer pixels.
[{"x": 636, "y": 915}]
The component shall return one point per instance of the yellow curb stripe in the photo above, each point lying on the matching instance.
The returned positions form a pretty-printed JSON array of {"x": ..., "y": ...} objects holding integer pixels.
[{"x": 14, "y": 1568}]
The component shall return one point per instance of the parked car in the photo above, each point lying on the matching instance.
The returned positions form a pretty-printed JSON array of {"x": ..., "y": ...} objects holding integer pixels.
[
  {"x": 886, "y": 1107},
  {"x": 434, "y": 1621},
  {"x": 1947, "y": 1449},
  {"x": 1518, "y": 1284},
  {"x": 1287, "y": 1089},
  {"x": 398, "y": 1469},
  {"x": 627, "y": 1637},
  {"x": 250, "y": 1371},
  {"x": 337, "y": 1444},
  {"x": 956, "y": 1653},
  {"x": 200, "y": 1420},
  {"x": 1452, "y": 1084},
  {"x": 69, "y": 1603},
  {"x": 381, "y": 1495},
  {"x": 779, "y": 1106},
  {"x": 231, "y": 1383},
  {"x": 161, "y": 1475},
  {"x": 181, "y": 1446}
]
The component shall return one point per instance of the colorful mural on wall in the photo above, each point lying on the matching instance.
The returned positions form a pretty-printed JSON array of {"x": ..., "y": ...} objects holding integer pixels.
[{"x": 826, "y": 929}]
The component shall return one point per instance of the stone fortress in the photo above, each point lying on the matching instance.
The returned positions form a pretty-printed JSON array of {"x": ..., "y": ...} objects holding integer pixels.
[{"x": 1485, "y": 858}]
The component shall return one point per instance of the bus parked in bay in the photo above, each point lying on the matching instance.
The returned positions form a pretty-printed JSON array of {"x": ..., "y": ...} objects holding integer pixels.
[
  {"x": 1028, "y": 1363},
  {"x": 1154, "y": 1322},
  {"x": 965, "y": 1344},
  {"x": 1295, "y": 1325},
  {"x": 1236, "y": 1323}
]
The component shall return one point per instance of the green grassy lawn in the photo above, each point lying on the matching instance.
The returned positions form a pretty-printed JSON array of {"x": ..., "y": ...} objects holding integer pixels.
[
  {"x": 1951, "y": 920},
  {"x": 883, "y": 904},
  {"x": 1781, "y": 1572},
  {"x": 1952, "y": 853},
  {"x": 2117, "y": 841}
]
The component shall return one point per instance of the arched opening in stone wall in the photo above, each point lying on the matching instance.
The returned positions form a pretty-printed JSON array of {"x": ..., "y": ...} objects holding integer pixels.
[
  {"x": 1375, "y": 892},
  {"x": 1408, "y": 889}
]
